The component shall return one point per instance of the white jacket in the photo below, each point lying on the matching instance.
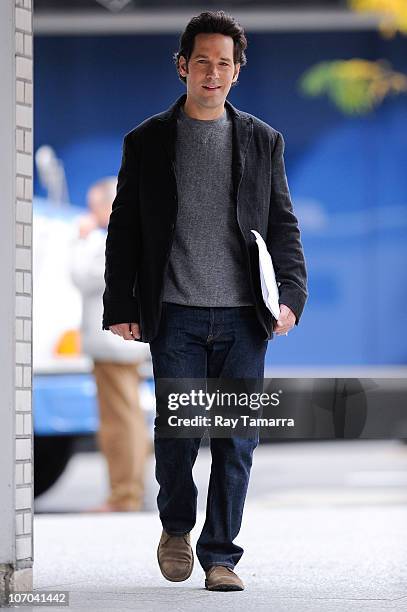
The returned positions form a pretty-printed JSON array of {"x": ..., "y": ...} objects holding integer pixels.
[{"x": 87, "y": 274}]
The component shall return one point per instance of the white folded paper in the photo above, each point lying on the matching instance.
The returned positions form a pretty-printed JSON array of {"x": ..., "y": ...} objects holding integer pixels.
[{"x": 269, "y": 285}]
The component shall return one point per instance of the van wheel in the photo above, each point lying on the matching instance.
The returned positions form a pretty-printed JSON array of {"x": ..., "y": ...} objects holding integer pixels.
[{"x": 51, "y": 456}]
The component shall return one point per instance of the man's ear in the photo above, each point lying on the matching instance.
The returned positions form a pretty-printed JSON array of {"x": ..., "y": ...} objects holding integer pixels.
[
  {"x": 236, "y": 75},
  {"x": 182, "y": 66}
]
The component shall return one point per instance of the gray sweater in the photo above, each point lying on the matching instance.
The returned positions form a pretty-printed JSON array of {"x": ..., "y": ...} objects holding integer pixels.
[{"x": 206, "y": 265}]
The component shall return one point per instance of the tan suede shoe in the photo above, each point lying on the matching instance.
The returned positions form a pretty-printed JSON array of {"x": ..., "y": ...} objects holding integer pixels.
[
  {"x": 222, "y": 578},
  {"x": 175, "y": 556}
]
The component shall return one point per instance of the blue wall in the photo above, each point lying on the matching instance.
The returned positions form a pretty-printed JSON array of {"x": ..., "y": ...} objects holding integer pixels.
[{"x": 347, "y": 175}]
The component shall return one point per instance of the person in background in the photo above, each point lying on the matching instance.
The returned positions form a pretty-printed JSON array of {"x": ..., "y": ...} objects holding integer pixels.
[{"x": 123, "y": 435}]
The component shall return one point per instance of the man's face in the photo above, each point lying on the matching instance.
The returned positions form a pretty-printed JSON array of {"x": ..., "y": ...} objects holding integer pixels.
[
  {"x": 100, "y": 206},
  {"x": 211, "y": 69}
]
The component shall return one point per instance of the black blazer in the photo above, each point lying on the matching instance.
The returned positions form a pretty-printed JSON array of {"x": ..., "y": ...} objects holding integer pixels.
[{"x": 144, "y": 214}]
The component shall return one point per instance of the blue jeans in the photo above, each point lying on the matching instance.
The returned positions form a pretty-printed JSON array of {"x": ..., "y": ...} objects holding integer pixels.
[{"x": 200, "y": 342}]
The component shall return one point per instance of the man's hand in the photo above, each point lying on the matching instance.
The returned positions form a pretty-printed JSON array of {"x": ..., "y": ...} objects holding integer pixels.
[
  {"x": 87, "y": 223},
  {"x": 286, "y": 321},
  {"x": 128, "y": 331}
]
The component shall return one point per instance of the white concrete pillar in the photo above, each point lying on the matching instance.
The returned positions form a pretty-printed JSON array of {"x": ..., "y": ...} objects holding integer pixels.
[{"x": 16, "y": 439}]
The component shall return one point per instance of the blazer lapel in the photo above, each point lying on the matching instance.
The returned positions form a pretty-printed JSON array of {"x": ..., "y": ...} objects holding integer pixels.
[
  {"x": 168, "y": 127},
  {"x": 242, "y": 134}
]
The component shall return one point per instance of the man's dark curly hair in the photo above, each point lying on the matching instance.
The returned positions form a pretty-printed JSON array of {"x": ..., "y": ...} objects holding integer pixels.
[{"x": 212, "y": 22}]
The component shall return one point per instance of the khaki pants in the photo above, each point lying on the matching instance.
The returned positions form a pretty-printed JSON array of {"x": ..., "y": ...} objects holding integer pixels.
[{"x": 123, "y": 434}]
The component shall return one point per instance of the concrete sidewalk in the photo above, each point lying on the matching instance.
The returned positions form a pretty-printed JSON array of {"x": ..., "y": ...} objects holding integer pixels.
[
  {"x": 324, "y": 530},
  {"x": 334, "y": 557}
]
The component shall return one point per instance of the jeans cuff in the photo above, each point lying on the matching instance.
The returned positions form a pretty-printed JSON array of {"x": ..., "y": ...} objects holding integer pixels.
[{"x": 219, "y": 563}]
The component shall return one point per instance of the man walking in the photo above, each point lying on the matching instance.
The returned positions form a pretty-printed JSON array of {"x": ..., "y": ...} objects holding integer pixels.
[{"x": 182, "y": 273}]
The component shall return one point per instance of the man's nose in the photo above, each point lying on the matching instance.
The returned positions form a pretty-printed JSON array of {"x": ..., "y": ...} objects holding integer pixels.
[{"x": 212, "y": 71}]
